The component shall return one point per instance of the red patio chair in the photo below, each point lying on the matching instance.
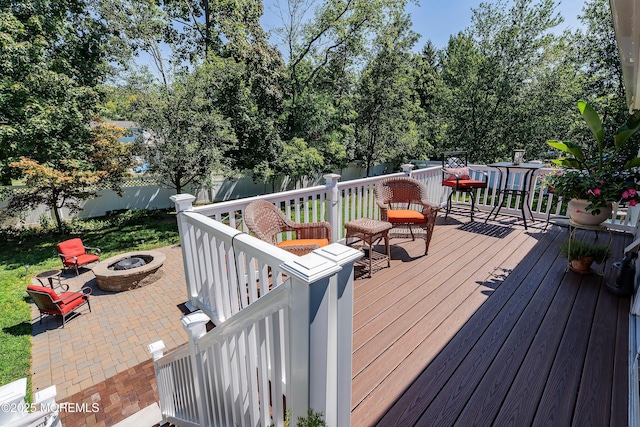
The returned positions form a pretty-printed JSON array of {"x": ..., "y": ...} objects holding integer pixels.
[
  {"x": 73, "y": 253},
  {"x": 457, "y": 175},
  {"x": 49, "y": 302}
]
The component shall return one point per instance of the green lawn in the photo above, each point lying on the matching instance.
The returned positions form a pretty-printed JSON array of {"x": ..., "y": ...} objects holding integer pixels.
[{"x": 32, "y": 251}]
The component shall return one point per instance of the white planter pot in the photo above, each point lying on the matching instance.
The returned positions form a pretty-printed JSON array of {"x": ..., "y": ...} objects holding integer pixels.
[{"x": 578, "y": 213}]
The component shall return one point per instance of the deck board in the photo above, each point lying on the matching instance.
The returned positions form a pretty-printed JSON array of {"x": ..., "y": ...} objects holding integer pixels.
[
  {"x": 620, "y": 389},
  {"x": 520, "y": 403},
  {"x": 487, "y": 330},
  {"x": 451, "y": 290}
]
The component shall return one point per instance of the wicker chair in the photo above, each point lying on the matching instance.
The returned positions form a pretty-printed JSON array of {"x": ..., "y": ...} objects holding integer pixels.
[
  {"x": 266, "y": 222},
  {"x": 403, "y": 202}
]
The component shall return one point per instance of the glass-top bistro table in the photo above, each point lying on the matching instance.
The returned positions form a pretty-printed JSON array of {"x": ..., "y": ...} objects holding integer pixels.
[{"x": 520, "y": 189}]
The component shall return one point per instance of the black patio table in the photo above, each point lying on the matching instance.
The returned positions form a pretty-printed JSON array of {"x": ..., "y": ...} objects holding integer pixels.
[{"x": 506, "y": 190}]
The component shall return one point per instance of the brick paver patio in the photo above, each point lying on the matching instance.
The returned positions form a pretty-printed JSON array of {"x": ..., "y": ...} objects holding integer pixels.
[{"x": 103, "y": 355}]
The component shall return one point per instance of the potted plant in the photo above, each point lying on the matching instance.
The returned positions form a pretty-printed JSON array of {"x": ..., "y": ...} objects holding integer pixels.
[
  {"x": 591, "y": 178},
  {"x": 581, "y": 254}
]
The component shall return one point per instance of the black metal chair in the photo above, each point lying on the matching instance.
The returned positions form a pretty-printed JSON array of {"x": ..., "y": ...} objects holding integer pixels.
[{"x": 457, "y": 176}]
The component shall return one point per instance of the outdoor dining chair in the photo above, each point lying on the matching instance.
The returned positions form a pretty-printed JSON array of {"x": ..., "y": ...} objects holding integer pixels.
[
  {"x": 457, "y": 176},
  {"x": 49, "y": 302}
]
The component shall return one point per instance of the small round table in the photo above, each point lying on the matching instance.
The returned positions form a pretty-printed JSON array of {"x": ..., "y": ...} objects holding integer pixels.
[
  {"x": 49, "y": 276},
  {"x": 369, "y": 231}
]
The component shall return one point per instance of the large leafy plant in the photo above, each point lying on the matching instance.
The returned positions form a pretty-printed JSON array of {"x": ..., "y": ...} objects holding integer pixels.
[{"x": 603, "y": 173}]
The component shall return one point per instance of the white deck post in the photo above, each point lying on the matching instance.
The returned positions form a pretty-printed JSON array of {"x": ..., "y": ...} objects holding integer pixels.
[
  {"x": 328, "y": 274},
  {"x": 333, "y": 204},
  {"x": 195, "y": 324},
  {"x": 184, "y": 202},
  {"x": 407, "y": 168}
]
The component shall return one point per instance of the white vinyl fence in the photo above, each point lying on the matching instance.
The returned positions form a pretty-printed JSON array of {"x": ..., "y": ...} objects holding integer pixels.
[{"x": 144, "y": 192}]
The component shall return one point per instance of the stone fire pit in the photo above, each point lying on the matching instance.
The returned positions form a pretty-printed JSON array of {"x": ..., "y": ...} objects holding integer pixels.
[{"x": 111, "y": 279}]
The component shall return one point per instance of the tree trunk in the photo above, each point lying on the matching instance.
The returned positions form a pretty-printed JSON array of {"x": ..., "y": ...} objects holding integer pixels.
[{"x": 56, "y": 214}]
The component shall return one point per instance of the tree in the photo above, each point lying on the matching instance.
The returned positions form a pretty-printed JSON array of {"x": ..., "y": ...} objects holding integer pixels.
[
  {"x": 387, "y": 103},
  {"x": 603, "y": 84},
  {"x": 338, "y": 28},
  {"x": 324, "y": 44},
  {"x": 429, "y": 89},
  {"x": 487, "y": 70},
  {"x": 298, "y": 160},
  {"x": 68, "y": 182},
  {"x": 246, "y": 88},
  {"x": 53, "y": 55},
  {"x": 223, "y": 44},
  {"x": 52, "y": 58},
  {"x": 186, "y": 133}
]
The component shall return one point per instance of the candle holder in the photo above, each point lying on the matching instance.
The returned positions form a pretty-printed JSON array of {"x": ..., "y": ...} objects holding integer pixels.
[{"x": 518, "y": 156}]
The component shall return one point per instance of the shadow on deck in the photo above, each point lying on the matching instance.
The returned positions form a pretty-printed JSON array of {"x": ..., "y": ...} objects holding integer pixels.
[{"x": 489, "y": 329}]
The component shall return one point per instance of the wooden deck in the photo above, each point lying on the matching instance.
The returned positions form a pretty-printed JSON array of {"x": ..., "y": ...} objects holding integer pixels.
[{"x": 489, "y": 329}]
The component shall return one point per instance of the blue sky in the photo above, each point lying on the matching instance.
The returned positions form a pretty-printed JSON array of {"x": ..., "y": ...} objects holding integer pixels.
[{"x": 438, "y": 19}]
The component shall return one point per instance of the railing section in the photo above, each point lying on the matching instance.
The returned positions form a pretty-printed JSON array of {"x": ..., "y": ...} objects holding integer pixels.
[
  {"x": 224, "y": 273},
  {"x": 544, "y": 205},
  {"x": 247, "y": 371},
  {"x": 339, "y": 202},
  {"x": 240, "y": 373},
  {"x": 177, "y": 388},
  {"x": 276, "y": 314}
]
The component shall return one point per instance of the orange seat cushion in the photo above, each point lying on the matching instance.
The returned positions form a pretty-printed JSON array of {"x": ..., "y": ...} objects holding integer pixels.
[
  {"x": 74, "y": 300},
  {"x": 465, "y": 183},
  {"x": 83, "y": 259},
  {"x": 303, "y": 242},
  {"x": 404, "y": 216}
]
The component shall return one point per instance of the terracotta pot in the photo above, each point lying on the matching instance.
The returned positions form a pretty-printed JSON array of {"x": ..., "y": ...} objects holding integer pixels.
[
  {"x": 582, "y": 265},
  {"x": 576, "y": 209}
]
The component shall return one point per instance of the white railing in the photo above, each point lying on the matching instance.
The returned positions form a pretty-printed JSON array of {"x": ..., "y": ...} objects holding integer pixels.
[
  {"x": 177, "y": 388},
  {"x": 224, "y": 270},
  {"x": 249, "y": 375},
  {"x": 14, "y": 411},
  {"x": 339, "y": 202},
  {"x": 275, "y": 313},
  {"x": 239, "y": 373},
  {"x": 543, "y": 205}
]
